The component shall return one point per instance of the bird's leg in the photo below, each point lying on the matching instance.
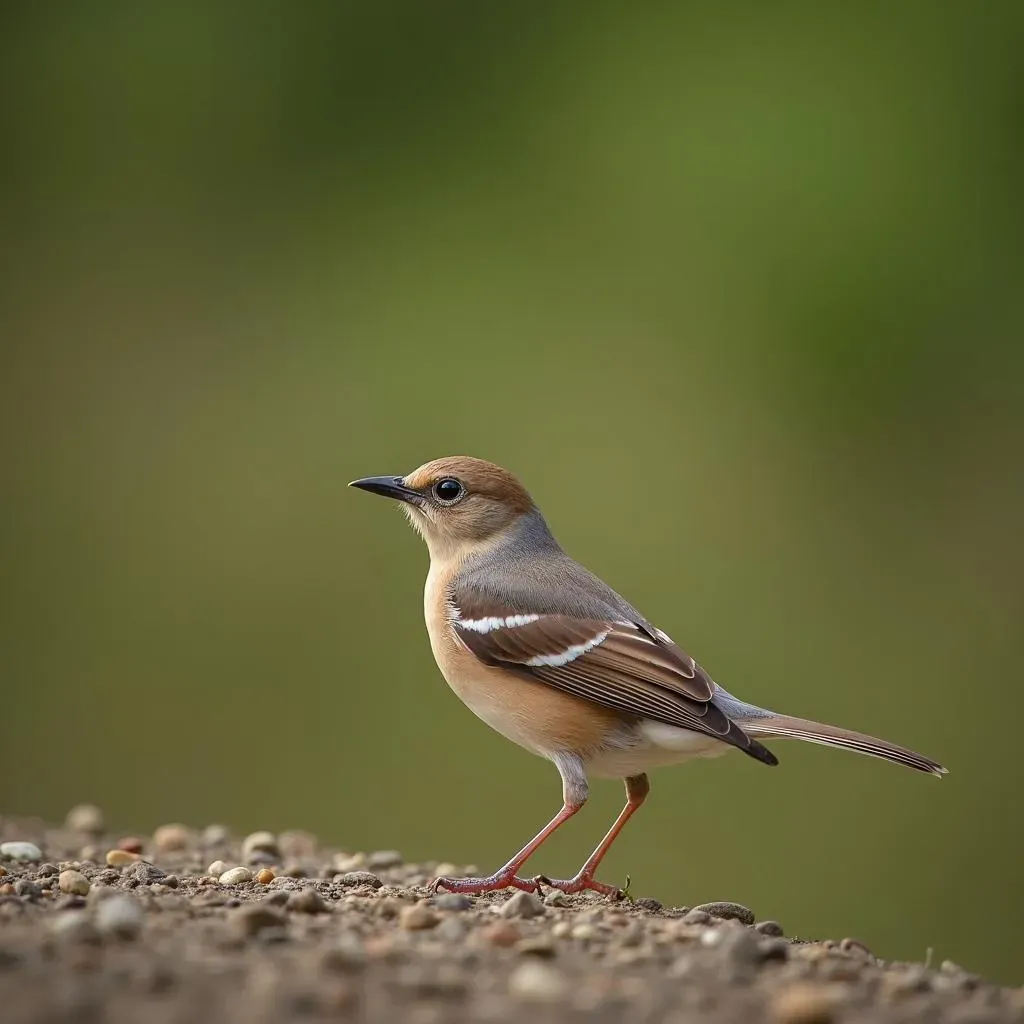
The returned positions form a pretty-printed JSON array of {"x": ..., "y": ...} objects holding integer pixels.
[
  {"x": 574, "y": 796},
  {"x": 637, "y": 788}
]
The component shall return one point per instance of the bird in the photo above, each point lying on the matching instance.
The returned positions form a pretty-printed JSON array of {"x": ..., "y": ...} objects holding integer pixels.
[{"x": 551, "y": 657}]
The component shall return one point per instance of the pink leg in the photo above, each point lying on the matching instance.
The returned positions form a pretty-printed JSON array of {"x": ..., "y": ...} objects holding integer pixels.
[
  {"x": 637, "y": 788},
  {"x": 507, "y": 876}
]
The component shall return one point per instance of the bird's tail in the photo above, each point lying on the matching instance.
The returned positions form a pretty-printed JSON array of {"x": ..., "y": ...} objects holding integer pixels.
[{"x": 784, "y": 726}]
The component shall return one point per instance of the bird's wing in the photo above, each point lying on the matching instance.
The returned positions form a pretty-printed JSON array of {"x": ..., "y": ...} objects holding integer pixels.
[{"x": 623, "y": 665}]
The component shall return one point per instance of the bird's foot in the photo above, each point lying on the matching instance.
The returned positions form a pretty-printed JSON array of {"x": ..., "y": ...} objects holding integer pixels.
[
  {"x": 580, "y": 882},
  {"x": 503, "y": 879}
]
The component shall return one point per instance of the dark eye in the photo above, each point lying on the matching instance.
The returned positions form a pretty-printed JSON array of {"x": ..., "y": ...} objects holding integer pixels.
[{"x": 448, "y": 491}]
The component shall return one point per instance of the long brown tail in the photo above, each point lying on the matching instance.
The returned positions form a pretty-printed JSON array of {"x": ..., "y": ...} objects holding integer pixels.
[{"x": 831, "y": 736}]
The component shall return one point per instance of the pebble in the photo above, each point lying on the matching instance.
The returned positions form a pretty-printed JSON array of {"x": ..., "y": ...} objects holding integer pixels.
[
  {"x": 772, "y": 928},
  {"x": 537, "y": 982},
  {"x": 6, "y": 889},
  {"x": 144, "y": 873},
  {"x": 168, "y": 838},
  {"x": 382, "y": 859},
  {"x": 256, "y": 917},
  {"x": 86, "y": 819},
  {"x": 522, "y": 904},
  {"x": 265, "y": 876},
  {"x": 74, "y": 926},
  {"x": 696, "y": 916},
  {"x": 451, "y": 929},
  {"x": 297, "y": 845},
  {"x": 418, "y": 917},
  {"x": 235, "y": 876},
  {"x": 308, "y": 901},
  {"x": 536, "y": 945},
  {"x": 726, "y": 912},
  {"x": 23, "y": 887},
  {"x": 217, "y": 868},
  {"x": 3, "y": 871},
  {"x": 344, "y": 862},
  {"x": 452, "y": 901},
  {"x": 359, "y": 878},
  {"x": 130, "y": 843},
  {"x": 120, "y": 858},
  {"x": 74, "y": 882},
  {"x": 502, "y": 933},
  {"x": 347, "y": 954},
  {"x": 215, "y": 835},
  {"x": 20, "y": 851},
  {"x": 556, "y": 898},
  {"x": 262, "y": 842},
  {"x": 46, "y": 869},
  {"x": 583, "y": 931},
  {"x": 803, "y": 1004},
  {"x": 121, "y": 916}
]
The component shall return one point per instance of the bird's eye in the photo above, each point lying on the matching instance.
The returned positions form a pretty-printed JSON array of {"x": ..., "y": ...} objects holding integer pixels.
[{"x": 448, "y": 491}]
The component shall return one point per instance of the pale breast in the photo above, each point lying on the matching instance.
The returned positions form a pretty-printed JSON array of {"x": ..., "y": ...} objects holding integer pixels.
[{"x": 532, "y": 714}]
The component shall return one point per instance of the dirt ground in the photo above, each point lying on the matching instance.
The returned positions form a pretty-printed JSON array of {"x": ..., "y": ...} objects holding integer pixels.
[{"x": 111, "y": 928}]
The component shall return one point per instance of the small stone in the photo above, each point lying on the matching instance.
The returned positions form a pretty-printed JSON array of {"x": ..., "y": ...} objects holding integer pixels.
[
  {"x": 214, "y": 835},
  {"x": 294, "y": 870},
  {"x": 235, "y": 876},
  {"x": 263, "y": 842},
  {"x": 562, "y": 929},
  {"x": 86, "y": 819},
  {"x": 297, "y": 845},
  {"x": 217, "y": 868},
  {"x": 74, "y": 882},
  {"x": 144, "y": 873},
  {"x": 854, "y": 946},
  {"x": 380, "y": 860},
  {"x": 257, "y": 917},
  {"x": 727, "y": 912},
  {"x": 556, "y": 898},
  {"x": 120, "y": 858},
  {"x": 45, "y": 870},
  {"x": 646, "y": 903},
  {"x": 3, "y": 871},
  {"x": 130, "y": 843},
  {"x": 121, "y": 916},
  {"x": 264, "y": 876},
  {"x": 696, "y": 916},
  {"x": 175, "y": 836},
  {"x": 308, "y": 901},
  {"x": 772, "y": 928},
  {"x": 583, "y": 931},
  {"x": 23, "y": 887},
  {"x": 538, "y": 982},
  {"x": 522, "y": 904},
  {"x": 6, "y": 889},
  {"x": 502, "y": 933},
  {"x": 171, "y": 881},
  {"x": 74, "y": 926},
  {"x": 20, "y": 851},
  {"x": 536, "y": 945},
  {"x": 344, "y": 862},
  {"x": 348, "y": 954},
  {"x": 803, "y": 1004},
  {"x": 451, "y": 929},
  {"x": 350, "y": 878},
  {"x": 452, "y": 901},
  {"x": 418, "y": 917}
]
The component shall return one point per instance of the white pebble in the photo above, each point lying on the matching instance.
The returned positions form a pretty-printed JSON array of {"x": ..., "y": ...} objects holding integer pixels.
[
  {"x": 217, "y": 868},
  {"x": 266, "y": 842},
  {"x": 21, "y": 851},
  {"x": 235, "y": 876},
  {"x": 537, "y": 982},
  {"x": 120, "y": 915}
]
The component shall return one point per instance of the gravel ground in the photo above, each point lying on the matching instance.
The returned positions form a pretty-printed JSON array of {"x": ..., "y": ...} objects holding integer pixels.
[{"x": 194, "y": 925}]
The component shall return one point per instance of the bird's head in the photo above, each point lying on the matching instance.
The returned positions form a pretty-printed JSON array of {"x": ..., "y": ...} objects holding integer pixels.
[{"x": 457, "y": 503}]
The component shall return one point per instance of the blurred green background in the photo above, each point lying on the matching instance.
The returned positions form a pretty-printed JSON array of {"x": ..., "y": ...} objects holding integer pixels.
[{"x": 735, "y": 289}]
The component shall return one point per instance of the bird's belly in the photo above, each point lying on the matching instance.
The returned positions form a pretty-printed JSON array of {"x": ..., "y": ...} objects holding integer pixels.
[{"x": 650, "y": 745}]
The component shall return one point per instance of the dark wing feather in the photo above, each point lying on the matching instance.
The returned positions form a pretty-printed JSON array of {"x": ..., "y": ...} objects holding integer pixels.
[{"x": 626, "y": 666}]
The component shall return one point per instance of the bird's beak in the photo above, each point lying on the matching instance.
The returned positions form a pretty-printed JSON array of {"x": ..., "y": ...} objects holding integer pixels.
[{"x": 390, "y": 487}]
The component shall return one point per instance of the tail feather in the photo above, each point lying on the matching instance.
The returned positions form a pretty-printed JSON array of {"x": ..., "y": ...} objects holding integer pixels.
[{"x": 785, "y": 726}]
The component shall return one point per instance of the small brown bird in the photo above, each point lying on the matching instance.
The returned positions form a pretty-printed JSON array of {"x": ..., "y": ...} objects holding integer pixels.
[{"x": 552, "y": 658}]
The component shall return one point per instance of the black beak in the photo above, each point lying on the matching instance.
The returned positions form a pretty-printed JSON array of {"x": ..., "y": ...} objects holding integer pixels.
[{"x": 390, "y": 487}]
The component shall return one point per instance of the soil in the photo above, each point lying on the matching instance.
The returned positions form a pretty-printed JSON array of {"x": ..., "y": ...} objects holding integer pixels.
[{"x": 98, "y": 927}]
